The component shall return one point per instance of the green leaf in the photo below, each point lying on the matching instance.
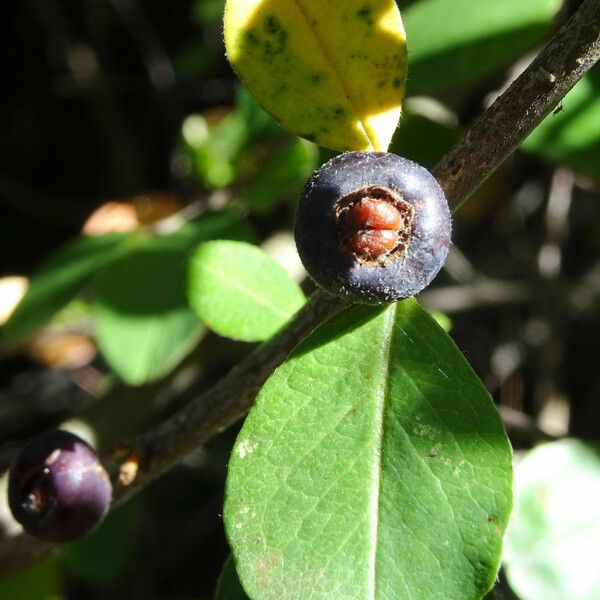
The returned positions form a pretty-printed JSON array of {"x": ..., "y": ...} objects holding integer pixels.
[
  {"x": 144, "y": 325},
  {"x": 60, "y": 279},
  {"x": 331, "y": 72},
  {"x": 229, "y": 586},
  {"x": 423, "y": 140},
  {"x": 240, "y": 292},
  {"x": 196, "y": 61},
  {"x": 453, "y": 41},
  {"x": 217, "y": 225},
  {"x": 207, "y": 12},
  {"x": 282, "y": 176},
  {"x": 571, "y": 135},
  {"x": 553, "y": 541},
  {"x": 260, "y": 126},
  {"x": 442, "y": 319},
  {"x": 39, "y": 582},
  {"x": 374, "y": 465},
  {"x": 216, "y": 150}
]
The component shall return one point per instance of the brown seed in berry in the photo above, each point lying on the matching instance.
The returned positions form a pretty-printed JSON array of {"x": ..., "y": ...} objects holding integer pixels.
[
  {"x": 372, "y": 213},
  {"x": 372, "y": 243},
  {"x": 373, "y": 222},
  {"x": 372, "y": 227}
]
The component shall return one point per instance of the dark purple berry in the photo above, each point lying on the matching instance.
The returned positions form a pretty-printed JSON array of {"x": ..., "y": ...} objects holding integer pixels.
[
  {"x": 57, "y": 488},
  {"x": 373, "y": 227}
]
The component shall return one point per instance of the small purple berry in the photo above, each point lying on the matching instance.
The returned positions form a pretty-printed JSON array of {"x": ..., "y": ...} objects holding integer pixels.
[
  {"x": 57, "y": 488},
  {"x": 372, "y": 227}
]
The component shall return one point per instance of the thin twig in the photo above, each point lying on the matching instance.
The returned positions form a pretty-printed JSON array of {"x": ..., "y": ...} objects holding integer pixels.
[
  {"x": 226, "y": 402},
  {"x": 522, "y": 107},
  {"x": 572, "y": 51},
  {"x": 161, "y": 448},
  {"x": 569, "y": 55}
]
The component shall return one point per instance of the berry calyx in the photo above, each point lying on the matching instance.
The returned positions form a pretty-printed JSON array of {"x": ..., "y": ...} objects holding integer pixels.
[
  {"x": 374, "y": 222},
  {"x": 372, "y": 227},
  {"x": 57, "y": 488}
]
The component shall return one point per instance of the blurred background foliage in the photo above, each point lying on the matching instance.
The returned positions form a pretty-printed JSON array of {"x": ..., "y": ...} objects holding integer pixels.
[{"x": 126, "y": 140}]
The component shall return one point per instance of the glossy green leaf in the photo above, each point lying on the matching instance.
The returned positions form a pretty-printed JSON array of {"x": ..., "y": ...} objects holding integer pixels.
[
  {"x": 229, "y": 586},
  {"x": 283, "y": 175},
  {"x": 571, "y": 135},
  {"x": 331, "y": 72},
  {"x": 374, "y": 465},
  {"x": 239, "y": 291},
  {"x": 553, "y": 542},
  {"x": 60, "y": 279},
  {"x": 144, "y": 325},
  {"x": 452, "y": 41}
]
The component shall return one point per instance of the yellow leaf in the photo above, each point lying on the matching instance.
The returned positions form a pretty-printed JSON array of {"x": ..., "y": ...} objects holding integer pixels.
[{"x": 331, "y": 71}]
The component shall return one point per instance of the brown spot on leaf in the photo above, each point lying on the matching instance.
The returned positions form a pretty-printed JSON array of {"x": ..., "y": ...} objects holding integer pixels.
[{"x": 264, "y": 570}]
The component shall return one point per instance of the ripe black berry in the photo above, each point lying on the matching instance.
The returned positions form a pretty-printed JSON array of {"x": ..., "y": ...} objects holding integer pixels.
[
  {"x": 373, "y": 227},
  {"x": 57, "y": 488}
]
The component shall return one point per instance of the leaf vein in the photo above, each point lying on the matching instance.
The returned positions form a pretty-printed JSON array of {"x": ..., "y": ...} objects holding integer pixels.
[
  {"x": 336, "y": 71},
  {"x": 260, "y": 300}
]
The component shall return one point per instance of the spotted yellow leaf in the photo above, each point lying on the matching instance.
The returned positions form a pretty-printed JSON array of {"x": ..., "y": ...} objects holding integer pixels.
[{"x": 332, "y": 72}]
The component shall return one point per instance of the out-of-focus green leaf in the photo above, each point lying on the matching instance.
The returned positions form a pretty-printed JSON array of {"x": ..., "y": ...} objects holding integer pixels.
[
  {"x": 442, "y": 319},
  {"x": 453, "y": 41},
  {"x": 241, "y": 292},
  {"x": 144, "y": 325},
  {"x": 423, "y": 140},
  {"x": 571, "y": 135},
  {"x": 307, "y": 63},
  {"x": 261, "y": 127},
  {"x": 282, "y": 176},
  {"x": 39, "y": 582},
  {"x": 105, "y": 555},
  {"x": 553, "y": 543},
  {"x": 229, "y": 586},
  {"x": 216, "y": 150},
  {"x": 60, "y": 279},
  {"x": 374, "y": 465},
  {"x": 195, "y": 60},
  {"x": 218, "y": 225},
  {"x": 207, "y": 12}
]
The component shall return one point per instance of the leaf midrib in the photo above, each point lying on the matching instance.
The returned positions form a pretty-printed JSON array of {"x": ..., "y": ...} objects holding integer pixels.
[
  {"x": 260, "y": 300},
  {"x": 336, "y": 71},
  {"x": 382, "y": 395}
]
